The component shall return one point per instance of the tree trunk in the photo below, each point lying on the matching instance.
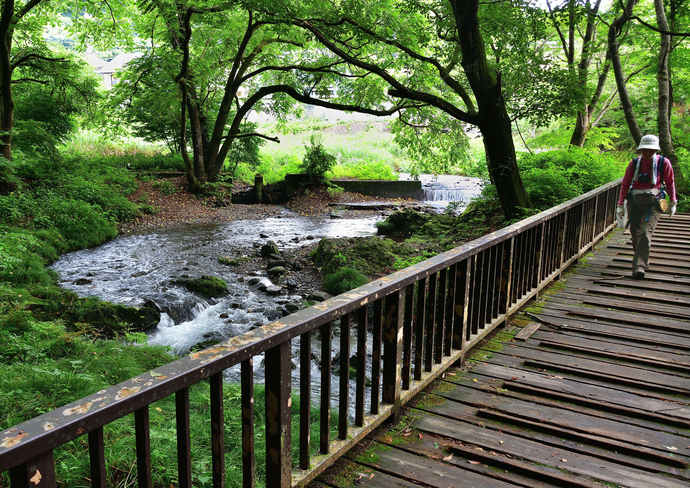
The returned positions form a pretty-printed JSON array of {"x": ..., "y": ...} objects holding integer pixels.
[
  {"x": 6, "y": 101},
  {"x": 494, "y": 122},
  {"x": 626, "y": 103},
  {"x": 581, "y": 128},
  {"x": 664, "y": 107}
]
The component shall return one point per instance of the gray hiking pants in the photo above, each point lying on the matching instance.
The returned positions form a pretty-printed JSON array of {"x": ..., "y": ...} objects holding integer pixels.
[{"x": 643, "y": 220}]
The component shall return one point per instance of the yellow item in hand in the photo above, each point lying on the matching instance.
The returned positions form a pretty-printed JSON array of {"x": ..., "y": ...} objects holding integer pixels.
[{"x": 663, "y": 205}]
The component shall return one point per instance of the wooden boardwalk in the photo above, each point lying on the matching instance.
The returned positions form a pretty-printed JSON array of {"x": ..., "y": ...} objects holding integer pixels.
[{"x": 598, "y": 395}]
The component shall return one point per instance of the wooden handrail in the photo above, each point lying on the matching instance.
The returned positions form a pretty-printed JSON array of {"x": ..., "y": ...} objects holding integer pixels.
[{"x": 424, "y": 318}]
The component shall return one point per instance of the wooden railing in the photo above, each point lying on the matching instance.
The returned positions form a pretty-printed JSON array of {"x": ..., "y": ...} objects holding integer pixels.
[{"x": 422, "y": 319}]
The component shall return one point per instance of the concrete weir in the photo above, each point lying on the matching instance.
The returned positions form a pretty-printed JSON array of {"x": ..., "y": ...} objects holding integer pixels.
[{"x": 383, "y": 188}]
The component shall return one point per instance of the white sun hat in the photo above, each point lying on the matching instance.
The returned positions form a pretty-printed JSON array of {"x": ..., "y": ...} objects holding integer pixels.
[{"x": 649, "y": 142}]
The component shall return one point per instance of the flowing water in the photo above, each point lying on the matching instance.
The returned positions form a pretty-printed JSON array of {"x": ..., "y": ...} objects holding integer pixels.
[{"x": 136, "y": 268}]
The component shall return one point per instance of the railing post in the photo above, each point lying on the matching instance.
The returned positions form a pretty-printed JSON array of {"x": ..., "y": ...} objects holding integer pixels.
[
  {"x": 247, "y": 387},
  {"x": 99, "y": 477},
  {"x": 217, "y": 430},
  {"x": 392, "y": 348},
  {"x": 39, "y": 471},
  {"x": 462, "y": 287},
  {"x": 507, "y": 275},
  {"x": 594, "y": 219},
  {"x": 184, "y": 449},
  {"x": 143, "y": 442},
  {"x": 278, "y": 416},
  {"x": 562, "y": 235}
]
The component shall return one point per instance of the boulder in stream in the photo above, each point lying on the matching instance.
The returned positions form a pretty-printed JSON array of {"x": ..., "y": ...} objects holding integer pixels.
[{"x": 209, "y": 286}]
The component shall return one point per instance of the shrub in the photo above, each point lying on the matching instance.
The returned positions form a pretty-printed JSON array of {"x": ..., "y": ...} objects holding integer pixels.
[
  {"x": 344, "y": 279},
  {"x": 553, "y": 177},
  {"x": 80, "y": 223},
  {"x": 317, "y": 161}
]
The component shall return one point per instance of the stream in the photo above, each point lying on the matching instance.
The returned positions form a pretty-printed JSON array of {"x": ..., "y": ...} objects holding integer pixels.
[{"x": 138, "y": 268}]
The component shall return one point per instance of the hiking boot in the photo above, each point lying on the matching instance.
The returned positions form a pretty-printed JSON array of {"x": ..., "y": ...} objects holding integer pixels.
[{"x": 638, "y": 274}]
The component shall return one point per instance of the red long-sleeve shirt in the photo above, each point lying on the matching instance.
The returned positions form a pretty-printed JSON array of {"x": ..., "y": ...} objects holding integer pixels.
[{"x": 646, "y": 167}]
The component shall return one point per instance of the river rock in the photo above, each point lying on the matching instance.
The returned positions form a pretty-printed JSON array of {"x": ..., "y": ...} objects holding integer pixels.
[
  {"x": 269, "y": 248},
  {"x": 274, "y": 290},
  {"x": 290, "y": 283},
  {"x": 253, "y": 281},
  {"x": 209, "y": 286},
  {"x": 82, "y": 281},
  {"x": 277, "y": 271},
  {"x": 319, "y": 296},
  {"x": 279, "y": 262},
  {"x": 291, "y": 308}
]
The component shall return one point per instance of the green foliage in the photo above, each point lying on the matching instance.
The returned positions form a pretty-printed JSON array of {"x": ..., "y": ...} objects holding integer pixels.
[
  {"x": 366, "y": 170},
  {"x": 344, "y": 279},
  {"x": 31, "y": 138},
  {"x": 553, "y": 177},
  {"x": 165, "y": 188},
  {"x": 434, "y": 141},
  {"x": 317, "y": 161}
]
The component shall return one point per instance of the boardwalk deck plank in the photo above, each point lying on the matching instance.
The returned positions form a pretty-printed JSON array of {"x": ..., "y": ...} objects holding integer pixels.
[
  {"x": 536, "y": 452},
  {"x": 602, "y": 370},
  {"x": 597, "y": 395}
]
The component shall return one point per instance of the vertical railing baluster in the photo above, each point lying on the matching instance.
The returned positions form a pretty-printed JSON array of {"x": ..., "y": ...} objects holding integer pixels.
[
  {"x": 526, "y": 256},
  {"x": 487, "y": 285},
  {"x": 278, "y": 416},
  {"x": 143, "y": 446},
  {"x": 40, "y": 469},
  {"x": 477, "y": 290},
  {"x": 97, "y": 459},
  {"x": 344, "y": 394},
  {"x": 325, "y": 407},
  {"x": 439, "y": 334},
  {"x": 360, "y": 393},
  {"x": 529, "y": 260},
  {"x": 496, "y": 280},
  {"x": 217, "y": 430},
  {"x": 392, "y": 348},
  {"x": 304, "y": 399},
  {"x": 507, "y": 276},
  {"x": 420, "y": 329},
  {"x": 472, "y": 270},
  {"x": 538, "y": 259},
  {"x": 450, "y": 310},
  {"x": 407, "y": 336},
  {"x": 247, "y": 387},
  {"x": 184, "y": 445},
  {"x": 461, "y": 308},
  {"x": 376, "y": 356},
  {"x": 430, "y": 323}
]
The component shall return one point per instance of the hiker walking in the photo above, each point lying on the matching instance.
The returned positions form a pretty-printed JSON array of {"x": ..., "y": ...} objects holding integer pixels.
[{"x": 647, "y": 181}]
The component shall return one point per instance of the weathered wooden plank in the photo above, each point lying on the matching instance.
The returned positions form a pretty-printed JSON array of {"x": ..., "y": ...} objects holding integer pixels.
[
  {"x": 562, "y": 459},
  {"x": 526, "y": 332},
  {"x": 431, "y": 473},
  {"x": 588, "y": 394},
  {"x": 490, "y": 464},
  {"x": 610, "y": 331},
  {"x": 646, "y": 320},
  {"x": 577, "y": 420},
  {"x": 602, "y": 370},
  {"x": 565, "y": 438},
  {"x": 675, "y": 360},
  {"x": 640, "y": 306}
]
